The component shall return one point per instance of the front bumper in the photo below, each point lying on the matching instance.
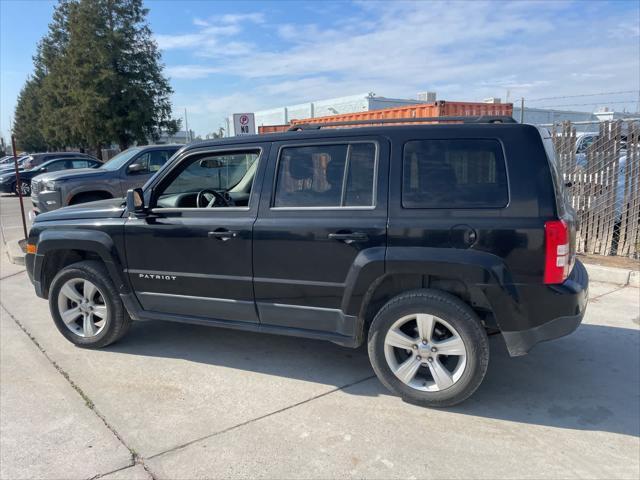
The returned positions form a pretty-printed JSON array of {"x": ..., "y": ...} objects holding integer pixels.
[
  {"x": 46, "y": 201},
  {"x": 571, "y": 298}
]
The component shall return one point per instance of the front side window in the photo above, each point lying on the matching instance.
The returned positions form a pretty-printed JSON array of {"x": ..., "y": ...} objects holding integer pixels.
[
  {"x": 150, "y": 162},
  {"x": 340, "y": 175},
  {"x": 454, "y": 174},
  {"x": 210, "y": 177}
]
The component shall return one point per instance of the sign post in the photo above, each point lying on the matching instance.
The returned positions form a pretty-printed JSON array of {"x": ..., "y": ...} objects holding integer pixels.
[
  {"x": 18, "y": 185},
  {"x": 244, "y": 124}
]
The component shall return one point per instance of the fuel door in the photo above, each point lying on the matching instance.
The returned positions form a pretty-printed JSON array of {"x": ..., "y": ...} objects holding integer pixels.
[{"x": 462, "y": 236}]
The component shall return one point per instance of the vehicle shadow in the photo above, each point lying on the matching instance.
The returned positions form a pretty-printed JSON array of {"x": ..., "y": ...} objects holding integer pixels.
[{"x": 586, "y": 381}]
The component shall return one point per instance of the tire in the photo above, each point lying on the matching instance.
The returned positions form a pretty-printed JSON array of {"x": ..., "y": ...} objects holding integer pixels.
[
  {"x": 453, "y": 327},
  {"x": 108, "y": 319}
]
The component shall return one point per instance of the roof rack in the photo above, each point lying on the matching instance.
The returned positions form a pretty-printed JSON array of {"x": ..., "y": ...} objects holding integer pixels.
[{"x": 382, "y": 121}]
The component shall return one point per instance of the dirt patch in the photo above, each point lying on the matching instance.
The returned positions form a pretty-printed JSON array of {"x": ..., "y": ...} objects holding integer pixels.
[{"x": 616, "y": 262}]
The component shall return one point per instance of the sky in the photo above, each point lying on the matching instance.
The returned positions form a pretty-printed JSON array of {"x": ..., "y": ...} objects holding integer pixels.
[{"x": 225, "y": 57}]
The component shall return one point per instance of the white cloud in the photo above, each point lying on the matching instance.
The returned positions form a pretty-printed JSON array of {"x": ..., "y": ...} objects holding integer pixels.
[
  {"x": 212, "y": 37},
  {"x": 190, "y": 72}
]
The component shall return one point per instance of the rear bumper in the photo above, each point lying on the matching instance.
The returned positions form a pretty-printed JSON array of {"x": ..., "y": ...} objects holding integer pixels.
[{"x": 570, "y": 297}]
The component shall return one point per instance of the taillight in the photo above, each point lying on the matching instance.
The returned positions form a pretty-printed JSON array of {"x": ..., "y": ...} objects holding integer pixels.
[{"x": 557, "y": 256}]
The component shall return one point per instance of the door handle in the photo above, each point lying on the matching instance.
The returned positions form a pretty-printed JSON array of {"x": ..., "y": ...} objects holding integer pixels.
[
  {"x": 223, "y": 235},
  {"x": 350, "y": 237}
]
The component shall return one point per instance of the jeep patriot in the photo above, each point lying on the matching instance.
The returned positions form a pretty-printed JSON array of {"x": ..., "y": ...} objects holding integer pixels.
[{"x": 420, "y": 240}]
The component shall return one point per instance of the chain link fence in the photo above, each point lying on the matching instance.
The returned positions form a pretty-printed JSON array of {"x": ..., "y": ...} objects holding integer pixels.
[{"x": 601, "y": 167}]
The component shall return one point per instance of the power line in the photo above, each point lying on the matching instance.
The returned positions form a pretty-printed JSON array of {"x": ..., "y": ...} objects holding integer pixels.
[
  {"x": 585, "y": 104},
  {"x": 583, "y": 95}
]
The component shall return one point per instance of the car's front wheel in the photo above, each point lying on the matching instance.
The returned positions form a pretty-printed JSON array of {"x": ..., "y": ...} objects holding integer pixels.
[
  {"x": 86, "y": 307},
  {"x": 25, "y": 189},
  {"x": 429, "y": 347}
]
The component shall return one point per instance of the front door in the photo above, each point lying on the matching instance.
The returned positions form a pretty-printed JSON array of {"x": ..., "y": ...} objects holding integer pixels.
[
  {"x": 323, "y": 216},
  {"x": 192, "y": 255},
  {"x": 149, "y": 163}
]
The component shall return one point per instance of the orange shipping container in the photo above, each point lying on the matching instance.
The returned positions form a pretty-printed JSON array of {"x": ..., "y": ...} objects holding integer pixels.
[{"x": 440, "y": 108}]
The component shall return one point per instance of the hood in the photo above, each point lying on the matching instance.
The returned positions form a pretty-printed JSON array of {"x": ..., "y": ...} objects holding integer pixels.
[
  {"x": 110, "y": 208},
  {"x": 72, "y": 174}
]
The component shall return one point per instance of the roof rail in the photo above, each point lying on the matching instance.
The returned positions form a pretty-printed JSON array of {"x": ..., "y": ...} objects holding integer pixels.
[{"x": 382, "y": 121}]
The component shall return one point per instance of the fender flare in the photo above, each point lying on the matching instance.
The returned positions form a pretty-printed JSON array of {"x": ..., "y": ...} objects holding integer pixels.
[
  {"x": 93, "y": 241},
  {"x": 481, "y": 272}
]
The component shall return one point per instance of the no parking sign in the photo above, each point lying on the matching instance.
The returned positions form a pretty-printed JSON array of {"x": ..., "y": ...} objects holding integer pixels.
[{"x": 244, "y": 124}]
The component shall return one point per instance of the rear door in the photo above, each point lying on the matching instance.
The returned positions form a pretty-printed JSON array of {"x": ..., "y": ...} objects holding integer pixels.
[{"x": 323, "y": 213}]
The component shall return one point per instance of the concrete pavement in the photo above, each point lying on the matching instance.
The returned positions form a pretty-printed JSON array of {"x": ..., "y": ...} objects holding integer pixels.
[{"x": 182, "y": 401}]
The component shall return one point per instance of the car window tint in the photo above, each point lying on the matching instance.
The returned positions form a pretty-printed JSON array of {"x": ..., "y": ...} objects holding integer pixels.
[
  {"x": 454, "y": 174},
  {"x": 219, "y": 172},
  {"x": 158, "y": 158},
  {"x": 79, "y": 163},
  {"x": 314, "y": 176},
  {"x": 57, "y": 166},
  {"x": 361, "y": 173},
  {"x": 144, "y": 161},
  {"x": 152, "y": 161}
]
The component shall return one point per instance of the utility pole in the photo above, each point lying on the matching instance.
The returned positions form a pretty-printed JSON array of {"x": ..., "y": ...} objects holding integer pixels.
[
  {"x": 521, "y": 109},
  {"x": 186, "y": 125}
]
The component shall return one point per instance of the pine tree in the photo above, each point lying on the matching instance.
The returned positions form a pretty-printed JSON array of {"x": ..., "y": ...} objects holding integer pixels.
[
  {"x": 27, "y": 116},
  {"x": 100, "y": 77}
]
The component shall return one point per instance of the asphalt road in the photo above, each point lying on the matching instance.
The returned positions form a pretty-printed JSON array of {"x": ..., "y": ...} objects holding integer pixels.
[{"x": 181, "y": 401}]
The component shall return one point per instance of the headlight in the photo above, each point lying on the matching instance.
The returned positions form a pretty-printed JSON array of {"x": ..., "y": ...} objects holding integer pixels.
[{"x": 51, "y": 186}]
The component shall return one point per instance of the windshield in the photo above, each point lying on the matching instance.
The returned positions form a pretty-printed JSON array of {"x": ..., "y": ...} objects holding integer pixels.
[{"x": 119, "y": 160}]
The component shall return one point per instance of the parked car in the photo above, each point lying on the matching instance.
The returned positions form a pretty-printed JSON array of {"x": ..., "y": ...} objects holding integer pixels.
[
  {"x": 6, "y": 160},
  {"x": 419, "y": 240},
  {"x": 8, "y": 180},
  {"x": 34, "y": 159},
  {"x": 129, "y": 169},
  {"x": 9, "y": 166}
]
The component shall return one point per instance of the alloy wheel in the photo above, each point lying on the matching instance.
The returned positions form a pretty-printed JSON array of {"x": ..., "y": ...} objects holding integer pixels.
[
  {"x": 82, "y": 307},
  {"x": 25, "y": 189},
  {"x": 425, "y": 352}
]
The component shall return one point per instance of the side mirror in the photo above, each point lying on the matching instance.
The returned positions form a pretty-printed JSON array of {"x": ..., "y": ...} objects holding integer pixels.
[
  {"x": 135, "y": 201},
  {"x": 135, "y": 168},
  {"x": 42, "y": 170}
]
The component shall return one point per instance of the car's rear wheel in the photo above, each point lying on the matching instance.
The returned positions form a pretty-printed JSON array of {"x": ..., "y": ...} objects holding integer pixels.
[
  {"x": 86, "y": 307},
  {"x": 429, "y": 347}
]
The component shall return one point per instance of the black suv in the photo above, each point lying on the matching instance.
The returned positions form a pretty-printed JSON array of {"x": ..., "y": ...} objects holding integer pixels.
[{"x": 419, "y": 240}]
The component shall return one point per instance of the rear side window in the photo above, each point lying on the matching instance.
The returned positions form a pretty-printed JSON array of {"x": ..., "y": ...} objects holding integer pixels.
[
  {"x": 340, "y": 175},
  {"x": 79, "y": 163},
  {"x": 465, "y": 173}
]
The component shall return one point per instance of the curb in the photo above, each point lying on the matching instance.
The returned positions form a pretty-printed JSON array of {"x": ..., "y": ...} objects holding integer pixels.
[
  {"x": 618, "y": 276},
  {"x": 15, "y": 253}
]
